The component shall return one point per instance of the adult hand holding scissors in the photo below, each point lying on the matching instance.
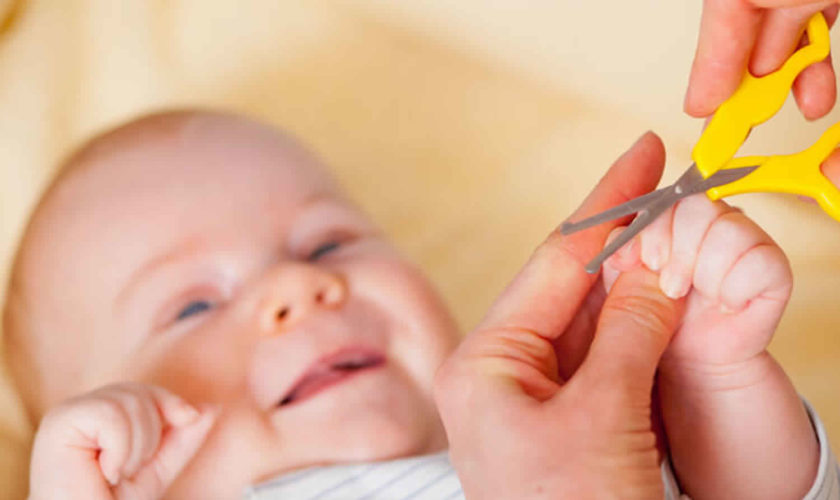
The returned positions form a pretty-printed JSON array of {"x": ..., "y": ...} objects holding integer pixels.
[{"x": 758, "y": 35}]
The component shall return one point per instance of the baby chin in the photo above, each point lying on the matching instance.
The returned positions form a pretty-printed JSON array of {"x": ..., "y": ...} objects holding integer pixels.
[{"x": 374, "y": 414}]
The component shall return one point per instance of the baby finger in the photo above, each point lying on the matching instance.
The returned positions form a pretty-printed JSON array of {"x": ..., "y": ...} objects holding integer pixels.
[{"x": 692, "y": 218}]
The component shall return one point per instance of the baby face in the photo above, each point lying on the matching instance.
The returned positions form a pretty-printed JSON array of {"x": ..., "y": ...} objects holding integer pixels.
[{"x": 214, "y": 258}]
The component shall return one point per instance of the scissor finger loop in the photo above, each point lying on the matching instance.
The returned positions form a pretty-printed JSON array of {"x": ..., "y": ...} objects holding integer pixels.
[{"x": 716, "y": 172}]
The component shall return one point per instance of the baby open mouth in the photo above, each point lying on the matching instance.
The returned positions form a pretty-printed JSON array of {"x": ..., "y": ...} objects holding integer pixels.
[{"x": 330, "y": 371}]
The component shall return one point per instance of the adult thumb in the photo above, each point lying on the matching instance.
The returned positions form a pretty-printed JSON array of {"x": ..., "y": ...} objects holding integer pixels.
[{"x": 636, "y": 324}]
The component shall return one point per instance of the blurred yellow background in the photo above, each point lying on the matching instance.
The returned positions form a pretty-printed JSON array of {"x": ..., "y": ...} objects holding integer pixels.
[{"x": 468, "y": 129}]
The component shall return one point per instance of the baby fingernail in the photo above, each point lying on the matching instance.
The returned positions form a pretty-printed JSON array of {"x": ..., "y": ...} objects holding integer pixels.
[
  {"x": 190, "y": 413},
  {"x": 726, "y": 309},
  {"x": 210, "y": 410},
  {"x": 653, "y": 259},
  {"x": 672, "y": 285},
  {"x": 113, "y": 477},
  {"x": 627, "y": 250},
  {"x": 186, "y": 414}
]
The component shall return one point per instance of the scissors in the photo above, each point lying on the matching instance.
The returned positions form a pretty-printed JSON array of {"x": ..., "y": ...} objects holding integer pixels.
[{"x": 716, "y": 172}]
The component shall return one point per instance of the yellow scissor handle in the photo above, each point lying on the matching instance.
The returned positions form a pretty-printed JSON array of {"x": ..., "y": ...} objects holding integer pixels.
[
  {"x": 797, "y": 173},
  {"x": 755, "y": 101}
]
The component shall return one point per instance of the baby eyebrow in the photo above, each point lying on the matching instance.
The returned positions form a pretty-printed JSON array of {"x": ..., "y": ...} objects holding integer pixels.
[{"x": 185, "y": 247}]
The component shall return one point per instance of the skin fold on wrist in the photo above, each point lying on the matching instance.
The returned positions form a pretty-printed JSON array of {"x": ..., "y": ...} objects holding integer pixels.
[{"x": 698, "y": 376}]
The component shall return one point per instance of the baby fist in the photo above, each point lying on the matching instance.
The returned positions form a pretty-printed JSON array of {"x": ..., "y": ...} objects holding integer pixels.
[
  {"x": 735, "y": 278},
  {"x": 121, "y": 441}
]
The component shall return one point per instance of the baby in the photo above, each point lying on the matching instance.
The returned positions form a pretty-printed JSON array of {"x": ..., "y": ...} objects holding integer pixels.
[
  {"x": 192, "y": 270},
  {"x": 195, "y": 308}
]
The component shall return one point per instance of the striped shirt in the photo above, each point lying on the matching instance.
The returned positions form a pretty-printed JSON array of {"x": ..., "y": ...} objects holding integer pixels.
[{"x": 431, "y": 477}]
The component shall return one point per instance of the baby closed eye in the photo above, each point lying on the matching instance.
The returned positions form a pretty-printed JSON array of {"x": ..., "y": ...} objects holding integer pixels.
[
  {"x": 194, "y": 308},
  {"x": 199, "y": 306},
  {"x": 323, "y": 249}
]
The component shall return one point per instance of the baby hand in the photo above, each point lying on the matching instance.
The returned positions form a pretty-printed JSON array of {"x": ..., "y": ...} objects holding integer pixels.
[
  {"x": 735, "y": 425},
  {"x": 736, "y": 279},
  {"x": 121, "y": 441}
]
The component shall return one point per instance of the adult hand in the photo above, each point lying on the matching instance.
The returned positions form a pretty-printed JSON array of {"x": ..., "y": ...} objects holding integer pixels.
[
  {"x": 550, "y": 397},
  {"x": 759, "y": 35}
]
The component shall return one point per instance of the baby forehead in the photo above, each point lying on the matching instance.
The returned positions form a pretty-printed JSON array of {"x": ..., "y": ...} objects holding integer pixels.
[
  {"x": 157, "y": 164},
  {"x": 152, "y": 178},
  {"x": 196, "y": 151}
]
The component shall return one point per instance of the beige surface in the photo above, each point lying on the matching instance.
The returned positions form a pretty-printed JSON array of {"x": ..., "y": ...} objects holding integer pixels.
[{"x": 467, "y": 128}]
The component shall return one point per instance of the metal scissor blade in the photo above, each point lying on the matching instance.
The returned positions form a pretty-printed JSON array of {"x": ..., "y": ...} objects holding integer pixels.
[
  {"x": 726, "y": 176},
  {"x": 626, "y": 208},
  {"x": 643, "y": 220},
  {"x": 692, "y": 181},
  {"x": 639, "y": 203},
  {"x": 652, "y": 205}
]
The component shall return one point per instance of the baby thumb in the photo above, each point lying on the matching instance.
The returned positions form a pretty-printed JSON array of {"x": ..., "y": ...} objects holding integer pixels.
[
  {"x": 636, "y": 324},
  {"x": 177, "y": 448}
]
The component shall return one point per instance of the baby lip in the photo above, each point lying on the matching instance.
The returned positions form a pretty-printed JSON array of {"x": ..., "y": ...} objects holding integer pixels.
[{"x": 330, "y": 371}]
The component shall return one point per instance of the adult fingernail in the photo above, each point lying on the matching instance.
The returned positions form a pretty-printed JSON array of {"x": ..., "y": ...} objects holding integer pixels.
[{"x": 687, "y": 101}]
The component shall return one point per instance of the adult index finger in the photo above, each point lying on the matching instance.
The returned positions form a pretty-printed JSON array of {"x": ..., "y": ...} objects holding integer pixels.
[{"x": 548, "y": 291}]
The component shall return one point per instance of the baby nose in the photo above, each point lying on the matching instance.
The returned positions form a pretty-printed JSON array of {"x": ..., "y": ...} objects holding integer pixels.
[{"x": 296, "y": 293}]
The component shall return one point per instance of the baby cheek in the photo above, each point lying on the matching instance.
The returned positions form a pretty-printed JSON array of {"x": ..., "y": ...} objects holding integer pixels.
[
  {"x": 240, "y": 445},
  {"x": 201, "y": 367},
  {"x": 423, "y": 332}
]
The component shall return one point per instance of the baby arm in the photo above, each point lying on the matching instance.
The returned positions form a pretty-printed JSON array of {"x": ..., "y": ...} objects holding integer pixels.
[
  {"x": 121, "y": 441},
  {"x": 736, "y": 427}
]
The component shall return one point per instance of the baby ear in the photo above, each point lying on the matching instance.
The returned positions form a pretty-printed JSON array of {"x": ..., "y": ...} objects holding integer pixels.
[{"x": 626, "y": 258}]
